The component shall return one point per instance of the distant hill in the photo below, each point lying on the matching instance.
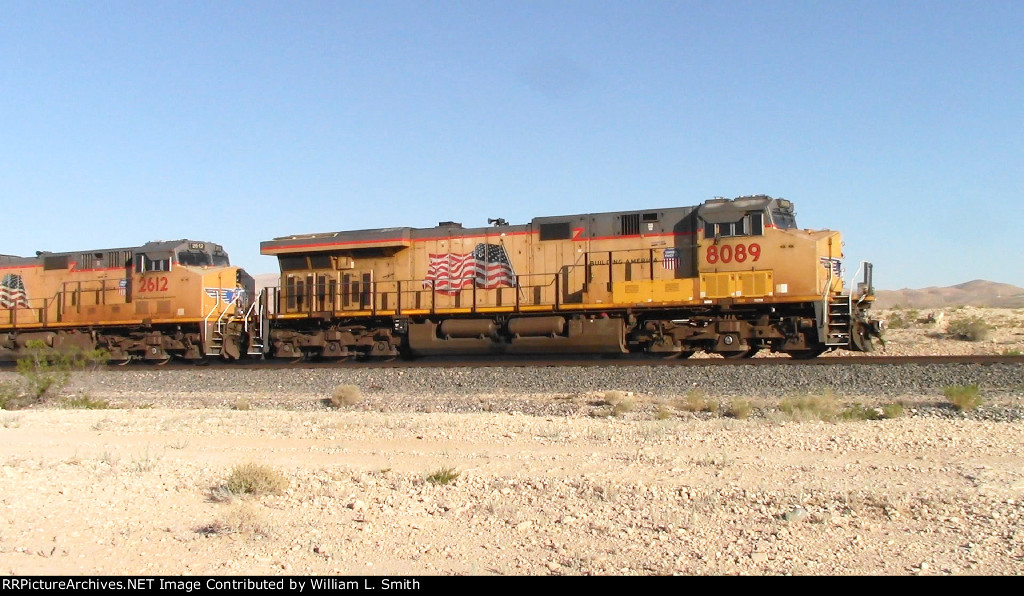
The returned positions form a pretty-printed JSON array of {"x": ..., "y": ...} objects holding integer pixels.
[{"x": 973, "y": 293}]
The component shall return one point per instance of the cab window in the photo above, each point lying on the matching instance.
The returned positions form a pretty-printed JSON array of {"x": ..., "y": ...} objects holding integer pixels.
[
  {"x": 751, "y": 224},
  {"x": 193, "y": 259},
  {"x": 144, "y": 264},
  {"x": 784, "y": 220}
]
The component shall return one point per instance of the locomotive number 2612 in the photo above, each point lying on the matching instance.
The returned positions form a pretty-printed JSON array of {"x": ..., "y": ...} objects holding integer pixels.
[
  {"x": 153, "y": 284},
  {"x": 729, "y": 253}
]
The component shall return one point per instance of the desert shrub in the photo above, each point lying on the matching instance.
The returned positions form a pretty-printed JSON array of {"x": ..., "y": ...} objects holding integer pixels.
[
  {"x": 898, "y": 320},
  {"x": 46, "y": 370},
  {"x": 443, "y": 476},
  {"x": 739, "y": 408},
  {"x": 620, "y": 402},
  {"x": 890, "y": 411},
  {"x": 145, "y": 462},
  {"x": 345, "y": 395},
  {"x": 861, "y": 412},
  {"x": 811, "y": 407},
  {"x": 696, "y": 400},
  {"x": 623, "y": 407},
  {"x": 242, "y": 404},
  {"x": 84, "y": 402},
  {"x": 969, "y": 328},
  {"x": 1011, "y": 352},
  {"x": 12, "y": 397},
  {"x": 963, "y": 397},
  {"x": 719, "y": 461},
  {"x": 255, "y": 479},
  {"x": 243, "y": 519}
]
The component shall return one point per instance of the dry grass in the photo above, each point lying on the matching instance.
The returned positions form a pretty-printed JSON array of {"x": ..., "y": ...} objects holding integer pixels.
[
  {"x": 243, "y": 519},
  {"x": 443, "y": 476},
  {"x": 11, "y": 397},
  {"x": 822, "y": 406},
  {"x": 696, "y": 400},
  {"x": 739, "y": 408},
  {"x": 255, "y": 479},
  {"x": 84, "y": 402},
  {"x": 145, "y": 462},
  {"x": 664, "y": 412},
  {"x": 969, "y": 328},
  {"x": 621, "y": 402},
  {"x": 345, "y": 396},
  {"x": 963, "y": 397}
]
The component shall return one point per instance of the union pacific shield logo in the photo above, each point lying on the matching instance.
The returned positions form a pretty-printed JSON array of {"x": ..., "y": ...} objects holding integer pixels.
[{"x": 225, "y": 296}]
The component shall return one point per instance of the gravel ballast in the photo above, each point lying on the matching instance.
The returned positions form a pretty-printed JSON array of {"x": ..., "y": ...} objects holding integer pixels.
[{"x": 494, "y": 388}]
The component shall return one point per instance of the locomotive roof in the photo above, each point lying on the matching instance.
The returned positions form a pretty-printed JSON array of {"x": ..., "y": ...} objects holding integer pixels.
[
  {"x": 714, "y": 210},
  {"x": 154, "y": 246},
  {"x": 728, "y": 210}
]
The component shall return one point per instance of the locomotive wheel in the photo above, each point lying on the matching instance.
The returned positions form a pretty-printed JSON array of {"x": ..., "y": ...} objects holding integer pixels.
[
  {"x": 161, "y": 362},
  {"x": 806, "y": 354},
  {"x": 737, "y": 355},
  {"x": 121, "y": 362},
  {"x": 667, "y": 355}
]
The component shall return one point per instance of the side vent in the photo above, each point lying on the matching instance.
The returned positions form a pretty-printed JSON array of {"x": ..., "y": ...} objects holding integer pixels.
[{"x": 631, "y": 224}]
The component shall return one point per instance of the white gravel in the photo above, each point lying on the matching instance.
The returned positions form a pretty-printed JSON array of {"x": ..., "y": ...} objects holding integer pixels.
[{"x": 129, "y": 491}]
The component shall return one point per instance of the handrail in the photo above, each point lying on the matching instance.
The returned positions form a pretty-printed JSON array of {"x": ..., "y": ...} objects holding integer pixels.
[
  {"x": 853, "y": 283},
  {"x": 828, "y": 283},
  {"x": 428, "y": 287}
]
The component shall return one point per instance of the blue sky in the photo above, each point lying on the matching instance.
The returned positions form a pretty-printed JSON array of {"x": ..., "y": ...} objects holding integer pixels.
[{"x": 899, "y": 123}]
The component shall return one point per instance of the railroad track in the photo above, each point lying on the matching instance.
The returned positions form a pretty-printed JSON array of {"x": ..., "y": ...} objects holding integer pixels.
[{"x": 628, "y": 360}]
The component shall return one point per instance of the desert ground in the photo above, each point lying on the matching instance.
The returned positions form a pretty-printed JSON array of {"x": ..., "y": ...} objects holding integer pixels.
[{"x": 149, "y": 484}]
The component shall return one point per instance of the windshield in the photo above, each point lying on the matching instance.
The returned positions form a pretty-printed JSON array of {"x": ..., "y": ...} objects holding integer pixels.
[
  {"x": 202, "y": 259},
  {"x": 783, "y": 219}
]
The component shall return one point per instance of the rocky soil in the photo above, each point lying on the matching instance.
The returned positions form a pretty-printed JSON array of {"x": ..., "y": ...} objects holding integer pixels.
[{"x": 556, "y": 471}]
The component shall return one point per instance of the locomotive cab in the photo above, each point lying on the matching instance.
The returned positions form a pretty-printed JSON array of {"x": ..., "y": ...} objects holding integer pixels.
[
  {"x": 750, "y": 247},
  {"x": 751, "y": 251}
]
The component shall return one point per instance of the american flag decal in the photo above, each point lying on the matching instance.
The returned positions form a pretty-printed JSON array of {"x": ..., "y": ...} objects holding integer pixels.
[
  {"x": 12, "y": 292},
  {"x": 487, "y": 266},
  {"x": 833, "y": 265},
  {"x": 671, "y": 258},
  {"x": 122, "y": 287}
]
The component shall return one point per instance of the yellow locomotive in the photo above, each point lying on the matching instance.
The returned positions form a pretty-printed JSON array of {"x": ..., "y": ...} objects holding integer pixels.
[
  {"x": 152, "y": 302},
  {"x": 730, "y": 277}
]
